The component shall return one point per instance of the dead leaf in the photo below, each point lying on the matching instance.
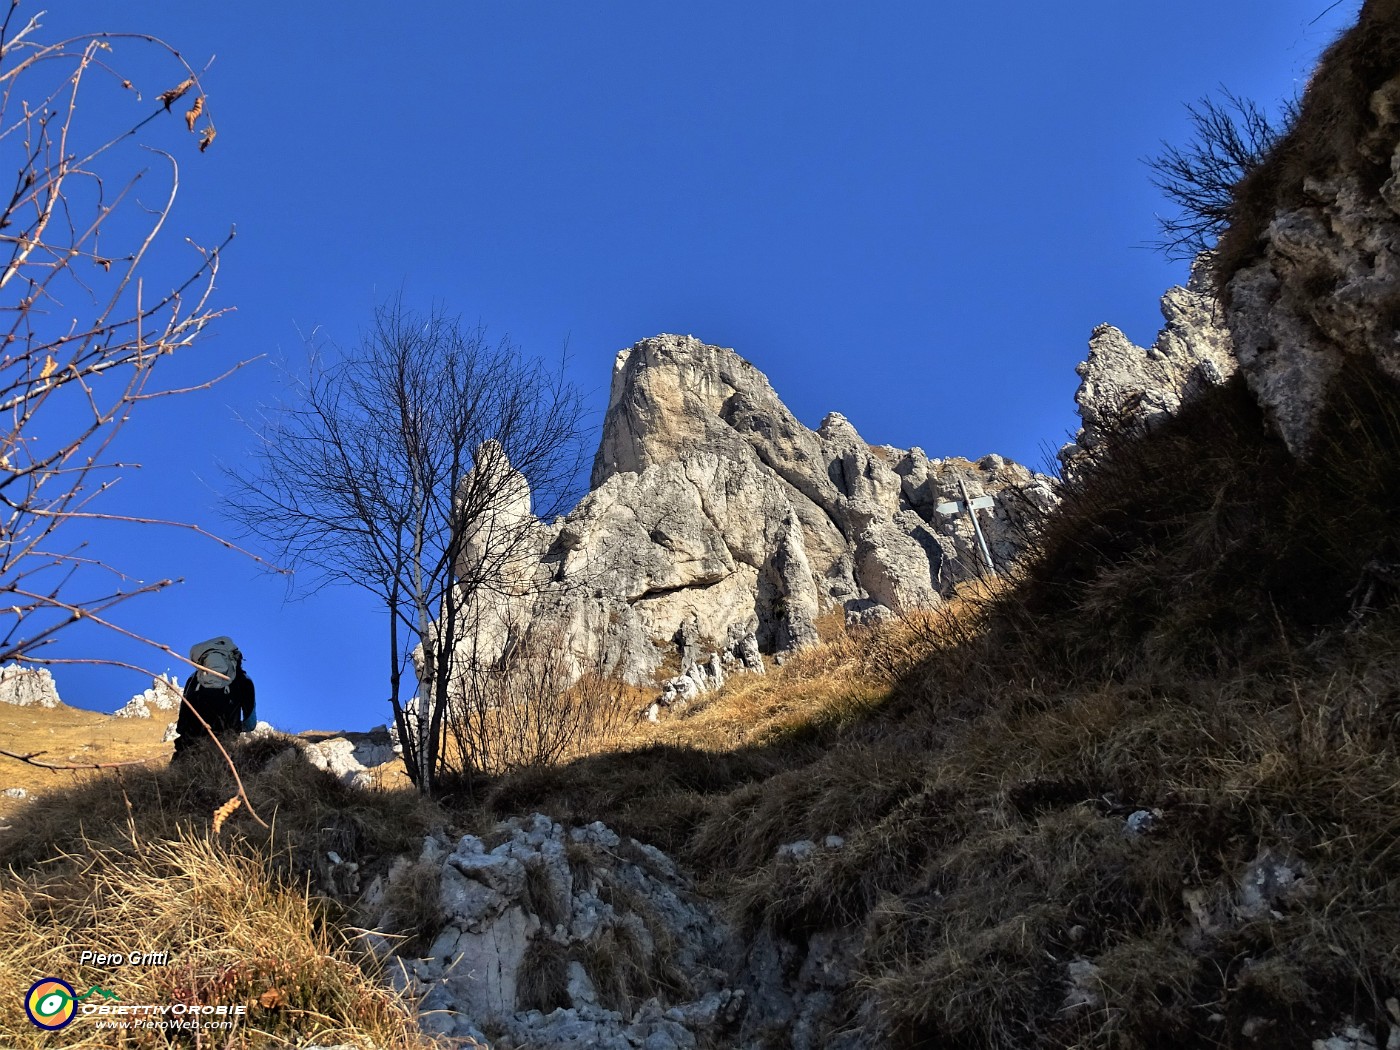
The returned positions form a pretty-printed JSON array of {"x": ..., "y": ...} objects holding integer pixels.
[
  {"x": 174, "y": 94},
  {"x": 126, "y": 84},
  {"x": 192, "y": 114},
  {"x": 206, "y": 137},
  {"x": 49, "y": 365},
  {"x": 106, "y": 264},
  {"x": 225, "y": 811},
  {"x": 271, "y": 999}
]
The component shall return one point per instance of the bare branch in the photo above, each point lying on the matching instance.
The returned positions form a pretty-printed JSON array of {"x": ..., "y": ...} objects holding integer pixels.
[
  {"x": 1229, "y": 139},
  {"x": 30, "y": 759}
]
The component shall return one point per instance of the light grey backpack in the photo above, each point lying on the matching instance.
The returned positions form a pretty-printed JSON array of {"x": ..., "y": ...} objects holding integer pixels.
[{"x": 219, "y": 655}]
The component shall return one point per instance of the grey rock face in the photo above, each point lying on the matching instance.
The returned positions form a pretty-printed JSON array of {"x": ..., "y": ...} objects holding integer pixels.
[
  {"x": 718, "y": 523},
  {"x": 1192, "y": 352},
  {"x": 163, "y": 695},
  {"x": 348, "y": 760},
  {"x": 536, "y": 924},
  {"x": 27, "y": 686},
  {"x": 1326, "y": 285}
]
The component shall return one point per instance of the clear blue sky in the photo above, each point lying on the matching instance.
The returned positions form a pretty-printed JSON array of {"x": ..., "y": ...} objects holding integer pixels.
[{"x": 913, "y": 213}]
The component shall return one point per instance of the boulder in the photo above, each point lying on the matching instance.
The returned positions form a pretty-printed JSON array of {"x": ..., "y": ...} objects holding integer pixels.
[
  {"x": 539, "y": 921},
  {"x": 163, "y": 694},
  {"x": 349, "y": 760}
]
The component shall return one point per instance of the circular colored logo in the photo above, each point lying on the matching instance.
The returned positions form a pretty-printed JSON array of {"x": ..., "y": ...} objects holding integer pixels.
[{"x": 51, "y": 1003}]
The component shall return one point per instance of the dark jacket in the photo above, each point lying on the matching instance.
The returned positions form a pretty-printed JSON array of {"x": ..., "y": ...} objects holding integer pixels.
[{"x": 226, "y": 712}]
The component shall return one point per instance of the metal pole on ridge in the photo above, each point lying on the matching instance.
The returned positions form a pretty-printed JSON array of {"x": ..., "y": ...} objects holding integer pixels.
[{"x": 972, "y": 506}]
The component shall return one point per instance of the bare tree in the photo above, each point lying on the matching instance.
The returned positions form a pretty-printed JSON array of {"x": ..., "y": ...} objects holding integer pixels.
[
  {"x": 1229, "y": 139},
  {"x": 407, "y": 467},
  {"x": 83, "y": 323}
]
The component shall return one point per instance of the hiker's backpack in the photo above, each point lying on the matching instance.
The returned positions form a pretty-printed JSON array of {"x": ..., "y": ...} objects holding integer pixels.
[{"x": 218, "y": 654}]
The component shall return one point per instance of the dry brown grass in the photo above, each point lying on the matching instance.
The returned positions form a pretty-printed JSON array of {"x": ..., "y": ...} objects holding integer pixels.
[
  {"x": 1197, "y": 657},
  {"x": 71, "y": 735},
  {"x": 130, "y": 859},
  {"x": 1183, "y": 643},
  {"x": 234, "y": 935},
  {"x": 816, "y": 691}
]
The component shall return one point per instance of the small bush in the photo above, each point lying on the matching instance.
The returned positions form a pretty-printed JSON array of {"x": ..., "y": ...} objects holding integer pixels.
[{"x": 1231, "y": 138}]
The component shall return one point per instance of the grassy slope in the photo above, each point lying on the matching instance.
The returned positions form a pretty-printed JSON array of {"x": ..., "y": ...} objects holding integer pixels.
[
  {"x": 137, "y": 859},
  {"x": 1183, "y": 642},
  {"x": 1208, "y": 630},
  {"x": 71, "y": 735}
]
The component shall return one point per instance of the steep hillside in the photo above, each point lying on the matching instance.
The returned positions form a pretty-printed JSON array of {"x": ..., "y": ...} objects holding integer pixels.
[{"x": 1140, "y": 791}]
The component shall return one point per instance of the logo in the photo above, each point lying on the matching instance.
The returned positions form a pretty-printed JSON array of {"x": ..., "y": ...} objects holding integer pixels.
[{"x": 51, "y": 1003}]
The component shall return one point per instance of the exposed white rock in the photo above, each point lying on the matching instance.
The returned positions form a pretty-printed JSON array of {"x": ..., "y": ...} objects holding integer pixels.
[
  {"x": 1325, "y": 285},
  {"x": 347, "y": 759},
  {"x": 579, "y": 897},
  {"x": 163, "y": 694},
  {"x": 1085, "y": 989},
  {"x": 1141, "y": 822},
  {"x": 1270, "y": 883},
  {"x": 15, "y": 793},
  {"x": 795, "y": 851},
  {"x": 719, "y": 524},
  {"x": 1121, "y": 381},
  {"x": 27, "y": 686},
  {"x": 1349, "y": 1037}
]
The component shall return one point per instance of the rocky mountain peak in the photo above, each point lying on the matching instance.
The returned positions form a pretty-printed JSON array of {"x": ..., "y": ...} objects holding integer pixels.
[
  {"x": 672, "y": 395},
  {"x": 719, "y": 527}
]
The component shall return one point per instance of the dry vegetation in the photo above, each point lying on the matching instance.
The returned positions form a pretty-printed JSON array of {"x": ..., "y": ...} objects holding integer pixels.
[
  {"x": 70, "y": 735},
  {"x": 136, "y": 859},
  {"x": 1192, "y": 638},
  {"x": 1334, "y": 130},
  {"x": 1207, "y": 631}
]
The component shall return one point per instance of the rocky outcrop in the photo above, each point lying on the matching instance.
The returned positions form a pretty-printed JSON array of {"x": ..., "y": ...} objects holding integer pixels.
[
  {"x": 1314, "y": 256},
  {"x": 1124, "y": 383},
  {"x": 1327, "y": 286},
  {"x": 163, "y": 696},
  {"x": 547, "y": 937},
  {"x": 349, "y": 757},
  {"x": 718, "y": 522},
  {"x": 27, "y": 686}
]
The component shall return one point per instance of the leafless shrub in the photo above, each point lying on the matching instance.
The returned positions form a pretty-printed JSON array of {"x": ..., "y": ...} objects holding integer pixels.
[
  {"x": 1230, "y": 137},
  {"x": 410, "y": 466},
  {"x": 530, "y": 707}
]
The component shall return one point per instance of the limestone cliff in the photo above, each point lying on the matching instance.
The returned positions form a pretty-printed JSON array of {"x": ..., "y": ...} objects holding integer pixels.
[
  {"x": 26, "y": 686},
  {"x": 718, "y": 523}
]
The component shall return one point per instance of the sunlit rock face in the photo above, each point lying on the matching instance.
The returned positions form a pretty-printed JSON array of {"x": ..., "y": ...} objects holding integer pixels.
[
  {"x": 27, "y": 686},
  {"x": 1122, "y": 382},
  {"x": 1312, "y": 285},
  {"x": 718, "y": 525}
]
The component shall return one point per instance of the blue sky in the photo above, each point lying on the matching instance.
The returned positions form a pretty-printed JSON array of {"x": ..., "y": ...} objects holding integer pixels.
[{"x": 912, "y": 213}]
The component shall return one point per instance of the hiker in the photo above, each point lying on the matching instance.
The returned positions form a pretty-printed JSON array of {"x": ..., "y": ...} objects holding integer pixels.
[{"x": 222, "y": 695}]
